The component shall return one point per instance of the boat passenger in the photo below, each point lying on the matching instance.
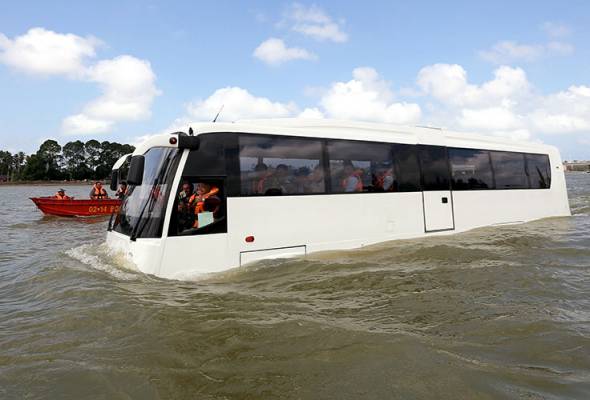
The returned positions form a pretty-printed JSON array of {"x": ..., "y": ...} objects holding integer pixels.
[
  {"x": 205, "y": 199},
  {"x": 352, "y": 181},
  {"x": 98, "y": 192},
  {"x": 122, "y": 191},
  {"x": 61, "y": 195}
]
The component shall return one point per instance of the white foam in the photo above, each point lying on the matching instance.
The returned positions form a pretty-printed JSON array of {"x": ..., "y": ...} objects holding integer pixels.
[{"x": 101, "y": 258}]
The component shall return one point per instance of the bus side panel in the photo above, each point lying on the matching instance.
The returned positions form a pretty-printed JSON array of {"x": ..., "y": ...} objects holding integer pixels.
[
  {"x": 326, "y": 222},
  {"x": 188, "y": 256},
  {"x": 477, "y": 208}
]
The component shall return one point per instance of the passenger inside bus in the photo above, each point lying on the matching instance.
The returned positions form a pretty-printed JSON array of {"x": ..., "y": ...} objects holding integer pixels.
[
  {"x": 383, "y": 179},
  {"x": 351, "y": 179},
  {"x": 315, "y": 181},
  {"x": 258, "y": 177},
  {"x": 277, "y": 182},
  {"x": 204, "y": 200},
  {"x": 186, "y": 213},
  {"x": 301, "y": 180}
]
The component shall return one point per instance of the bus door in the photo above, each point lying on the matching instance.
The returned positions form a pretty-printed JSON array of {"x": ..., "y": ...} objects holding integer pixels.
[{"x": 437, "y": 197}]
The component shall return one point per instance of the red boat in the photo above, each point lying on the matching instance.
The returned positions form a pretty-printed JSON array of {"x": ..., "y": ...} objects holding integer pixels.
[{"x": 73, "y": 207}]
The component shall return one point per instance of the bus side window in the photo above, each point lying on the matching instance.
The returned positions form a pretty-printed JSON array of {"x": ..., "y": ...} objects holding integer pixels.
[
  {"x": 471, "y": 169},
  {"x": 509, "y": 170},
  {"x": 539, "y": 170},
  {"x": 360, "y": 166},
  {"x": 407, "y": 168},
  {"x": 275, "y": 166}
]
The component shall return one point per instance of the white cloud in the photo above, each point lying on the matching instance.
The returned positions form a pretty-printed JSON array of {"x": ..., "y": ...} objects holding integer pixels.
[
  {"x": 237, "y": 104},
  {"x": 273, "y": 51},
  {"x": 448, "y": 84},
  {"x": 367, "y": 97},
  {"x": 44, "y": 52},
  {"x": 563, "y": 112},
  {"x": 508, "y": 51},
  {"x": 128, "y": 85},
  {"x": 507, "y": 105},
  {"x": 560, "y": 48},
  {"x": 492, "y": 107},
  {"x": 312, "y": 21},
  {"x": 499, "y": 118},
  {"x": 556, "y": 29},
  {"x": 81, "y": 123},
  {"x": 311, "y": 113}
]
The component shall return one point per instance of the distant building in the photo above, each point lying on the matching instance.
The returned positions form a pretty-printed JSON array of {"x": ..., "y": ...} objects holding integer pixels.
[{"x": 576, "y": 165}]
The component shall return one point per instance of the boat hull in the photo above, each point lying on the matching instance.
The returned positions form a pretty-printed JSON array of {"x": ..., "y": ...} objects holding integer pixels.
[{"x": 73, "y": 207}]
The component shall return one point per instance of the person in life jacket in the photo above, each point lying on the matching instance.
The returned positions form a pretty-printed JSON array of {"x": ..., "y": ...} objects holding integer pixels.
[
  {"x": 61, "y": 195},
  {"x": 204, "y": 199},
  {"x": 352, "y": 181},
  {"x": 98, "y": 192},
  {"x": 278, "y": 182},
  {"x": 384, "y": 180},
  {"x": 122, "y": 191},
  {"x": 259, "y": 177},
  {"x": 186, "y": 214}
]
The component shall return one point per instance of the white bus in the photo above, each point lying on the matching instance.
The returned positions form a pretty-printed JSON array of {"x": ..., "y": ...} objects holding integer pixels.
[{"x": 282, "y": 188}]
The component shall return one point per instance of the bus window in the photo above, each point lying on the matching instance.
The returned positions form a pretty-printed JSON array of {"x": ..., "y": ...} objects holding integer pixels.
[
  {"x": 539, "y": 170},
  {"x": 274, "y": 166},
  {"x": 509, "y": 170},
  {"x": 435, "y": 168},
  {"x": 407, "y": 169},
  {"x": 470, "y": 169},
  {"x": 200, "y": 207},
  {"x": 360, "y": 166}
]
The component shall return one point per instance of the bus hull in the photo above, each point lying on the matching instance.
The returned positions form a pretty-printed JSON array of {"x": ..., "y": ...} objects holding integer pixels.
[{"x": 332, "y": 222}]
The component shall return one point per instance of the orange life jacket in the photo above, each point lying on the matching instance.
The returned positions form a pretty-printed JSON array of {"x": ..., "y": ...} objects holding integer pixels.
[
  {"x": 359, "y": 182},
  {"x": 199, "y": 201},
  {"x": 259, "y": 186},
  {"x": 99, "y": 193},
  {"x": 380, "y": 181},
  {"x": 60, "y": 197}
]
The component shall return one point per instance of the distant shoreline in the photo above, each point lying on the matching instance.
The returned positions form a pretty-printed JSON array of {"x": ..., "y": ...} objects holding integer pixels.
[{"x": 50, "y": 183}]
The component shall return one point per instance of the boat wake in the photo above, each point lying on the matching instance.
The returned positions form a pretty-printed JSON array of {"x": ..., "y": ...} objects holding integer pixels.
[{"x": 99, "y": 257}]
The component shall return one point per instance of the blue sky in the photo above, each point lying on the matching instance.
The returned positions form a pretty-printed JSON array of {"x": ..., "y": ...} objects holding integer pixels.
[{"x": 122, "y": 70}]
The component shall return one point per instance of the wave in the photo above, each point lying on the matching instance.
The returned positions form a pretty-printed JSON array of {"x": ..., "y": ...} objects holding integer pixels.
[{"x": 101, "y": 258}]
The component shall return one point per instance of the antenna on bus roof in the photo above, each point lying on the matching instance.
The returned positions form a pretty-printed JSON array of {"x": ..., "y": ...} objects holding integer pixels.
[
  {"x": 219, "y": 112},
  {"x": 190, "y": 131}
]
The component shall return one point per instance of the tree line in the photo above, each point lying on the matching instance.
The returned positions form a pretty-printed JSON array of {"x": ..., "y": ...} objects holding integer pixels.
[{"x": 74, "y": 161}]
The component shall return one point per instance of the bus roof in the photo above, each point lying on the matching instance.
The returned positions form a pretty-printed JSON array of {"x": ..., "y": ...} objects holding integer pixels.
[{"x": 354, "y": 130}]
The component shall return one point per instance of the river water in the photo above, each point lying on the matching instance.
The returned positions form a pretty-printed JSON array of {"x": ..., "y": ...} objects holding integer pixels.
[{"x": 488, "y": 314}]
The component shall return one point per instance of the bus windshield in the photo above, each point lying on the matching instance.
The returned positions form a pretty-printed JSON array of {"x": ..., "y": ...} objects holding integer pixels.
[{"x": 143, "y": 210}]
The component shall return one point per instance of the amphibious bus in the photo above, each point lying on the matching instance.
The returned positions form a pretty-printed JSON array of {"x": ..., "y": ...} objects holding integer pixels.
[{"x": 227, "y": 194}]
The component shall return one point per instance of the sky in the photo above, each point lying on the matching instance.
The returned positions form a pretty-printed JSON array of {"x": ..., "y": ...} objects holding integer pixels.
[{"x": 123, "y": 70}]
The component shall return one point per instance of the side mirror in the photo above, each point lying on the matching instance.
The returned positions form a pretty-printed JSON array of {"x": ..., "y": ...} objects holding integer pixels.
[
  {"x": 135, "y": 174},
  {"x": 114, "y": 179}
]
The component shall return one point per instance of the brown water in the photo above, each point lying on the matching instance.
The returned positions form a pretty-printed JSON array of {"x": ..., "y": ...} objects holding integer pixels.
[{"x": 492, "y": 313}]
